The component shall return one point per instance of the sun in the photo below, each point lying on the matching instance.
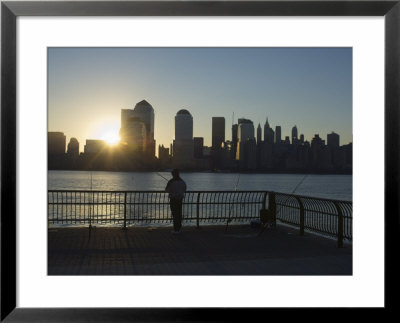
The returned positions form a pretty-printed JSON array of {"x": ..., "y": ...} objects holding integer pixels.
[
  {"x": 109, "y": 133},
  {"x": 111, "y": 138}
]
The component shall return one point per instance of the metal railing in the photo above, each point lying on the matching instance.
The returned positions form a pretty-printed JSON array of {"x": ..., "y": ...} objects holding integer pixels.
[
  {"x": 332, "y": 217},
  {"x": 125, "y": 208}
]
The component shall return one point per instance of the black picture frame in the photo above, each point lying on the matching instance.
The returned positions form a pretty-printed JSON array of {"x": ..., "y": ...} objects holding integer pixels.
[{"x": 10, "y": 10}]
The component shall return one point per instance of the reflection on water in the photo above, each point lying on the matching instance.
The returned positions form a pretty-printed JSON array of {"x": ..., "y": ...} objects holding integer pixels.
[{"x": 337, "y": 187}]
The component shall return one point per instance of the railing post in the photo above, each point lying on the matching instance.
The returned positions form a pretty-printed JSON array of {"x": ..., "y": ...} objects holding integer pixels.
[
  {"x": 301, "y": 215},
  {"x": 125, "y": 210},
  {"x": 264, "y": 201},
  {"x": 264, "y": 211},
  {"x": 272, "y": 208},
  {"x": 340, "y": 225},
  {"x": 198, "y": 210}
]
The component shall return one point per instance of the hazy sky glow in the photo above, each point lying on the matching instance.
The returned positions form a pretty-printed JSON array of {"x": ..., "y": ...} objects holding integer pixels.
[{"x": 307, "y": 87}]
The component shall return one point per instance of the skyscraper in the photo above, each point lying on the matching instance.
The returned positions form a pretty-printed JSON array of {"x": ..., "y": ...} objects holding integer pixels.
[
  {"x": 218, "y": 132},
  {"x": 294, "y": 135},
  {"x": 245, "y": 132},
  {"x": 198, "y": 143},
  {"x": 73, "y": 148},
  {"x": 183, "y": 148},
  {"x": 56, "y": 142},
  {"x": 259, "y": 134},
  {"x": 234, "y": 140},
  {"x": 131, "y": 132},
  {"x": 183, "y": 125},
  {"x": 333, "y": 140},
  {"x": 278, "y": 134},
  {"x": 268, "y": 133}
]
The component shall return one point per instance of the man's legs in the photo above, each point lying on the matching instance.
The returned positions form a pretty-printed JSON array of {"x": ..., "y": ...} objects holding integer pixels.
[{"x": 176, "y": 210}]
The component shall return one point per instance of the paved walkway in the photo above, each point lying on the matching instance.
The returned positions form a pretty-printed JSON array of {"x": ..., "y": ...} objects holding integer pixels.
[{"x": 205, "y": 251}]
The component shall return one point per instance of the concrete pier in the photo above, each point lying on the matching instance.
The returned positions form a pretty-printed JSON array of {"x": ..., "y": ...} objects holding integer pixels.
[{"x": 205, "y": 251}]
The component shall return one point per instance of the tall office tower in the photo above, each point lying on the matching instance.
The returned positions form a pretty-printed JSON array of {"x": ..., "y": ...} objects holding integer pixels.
[
  {"x": 198, "y": 144},
  {"x": 333, "y": 140},
  {"x": 218, "y": 132},
  {"x": 268, "y": 133},
  {"x": 278, "y": 137},
  {"x": 245, "y": 132},
  {"x": 183, "y": 125},
  {"x": 144, "y": 113},
  {"x": 259, "y": 134},
  {"x": 133, "y": 133},
  {"x": 56, "y": 142},
  {"x": 266, "y": 151},
  {"x": 294, "y": 135},
  {"x": 302, "y": 138},
  {"x": 183, "y": 143},
  {"x": 317, "y": 145},
  {"x": 234, "y": 140},
  {"x": 73, "y": 148}
]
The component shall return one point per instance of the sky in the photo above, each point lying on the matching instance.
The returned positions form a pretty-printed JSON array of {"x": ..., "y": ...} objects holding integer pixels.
[{"x": 307, "y": 87}]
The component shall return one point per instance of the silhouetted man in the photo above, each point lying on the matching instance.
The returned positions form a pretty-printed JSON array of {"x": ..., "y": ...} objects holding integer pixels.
[{"x": 176, "y": 188}]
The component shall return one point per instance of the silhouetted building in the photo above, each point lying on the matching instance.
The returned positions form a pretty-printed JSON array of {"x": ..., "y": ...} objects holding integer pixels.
[
  {"x": 245, "y": 132},
  {"x": 163, "y": 155},
  {"x": 234, "y": 140},
  {"x": 136, "y": 136},
  {"x": 227, "y": 162},
  {"x": 278, "y": 135},
  {"x": 287, "y": 141},
  {"x": 249, "y": 160},
  {"x": 183, "y": 125},
  {"x": 218, "y": 132},
  {"x": 301, "y": 138},
  {"x": 218, "y": 137},
  {"x": 268, "y": 133},
  {"x": 133, "y": 134},
  {"x": 73, "y": 148},
  {"x": 333, "y": 140},
  {"x": 294, "y": 135},
  {"x": 266, "y": 155},
  {"x": 72, "y": 153},
  {"x": 317, "y": 145},
  {"x": 206, "y": 151},
  {"x": 183, "y": 143},
  {"x": 325, "y": 162},
  {"x": 259, "y": 134},
  {"x": 56, "y": 142},
  {"x": 198, "y": 143},
  {"x": 94, "y": 146}
]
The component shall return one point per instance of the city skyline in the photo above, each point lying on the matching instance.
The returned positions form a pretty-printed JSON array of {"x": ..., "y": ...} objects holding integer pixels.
[{"x": 307, "y": 87}]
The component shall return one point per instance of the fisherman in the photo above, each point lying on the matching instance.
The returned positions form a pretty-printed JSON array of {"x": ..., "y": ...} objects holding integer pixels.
[{"x": 176, "y": 188}]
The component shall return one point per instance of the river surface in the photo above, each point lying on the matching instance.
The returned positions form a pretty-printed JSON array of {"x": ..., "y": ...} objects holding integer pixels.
[{"x": 338, "y": 187}]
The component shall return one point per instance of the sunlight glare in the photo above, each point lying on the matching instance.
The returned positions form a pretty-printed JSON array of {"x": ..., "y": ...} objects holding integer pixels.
[{"x": 109, "y": 133}]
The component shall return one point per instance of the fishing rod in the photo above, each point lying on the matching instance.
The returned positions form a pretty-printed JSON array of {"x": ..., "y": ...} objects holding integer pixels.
[
  {"x": 162, "y": 176},
  {"x": 280, "y": 207},
  {"x": 91, "y": 206},
  {"x": 230, "y": 209},
  {"x": 295, "y": 189}
]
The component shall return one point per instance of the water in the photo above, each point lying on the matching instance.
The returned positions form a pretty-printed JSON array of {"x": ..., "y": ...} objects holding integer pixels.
[{"x": 338, "y": 187}]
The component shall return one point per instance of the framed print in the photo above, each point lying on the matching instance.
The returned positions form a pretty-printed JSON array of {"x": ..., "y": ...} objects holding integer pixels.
[{"x": 168, "y": 68}]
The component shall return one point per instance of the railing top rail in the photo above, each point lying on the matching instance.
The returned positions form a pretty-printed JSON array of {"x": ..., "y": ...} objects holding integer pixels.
[
  {"x": 225, "y": 191},
  {"x": 315, "y": 198},
  {"x": 155, "y": 191}
]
